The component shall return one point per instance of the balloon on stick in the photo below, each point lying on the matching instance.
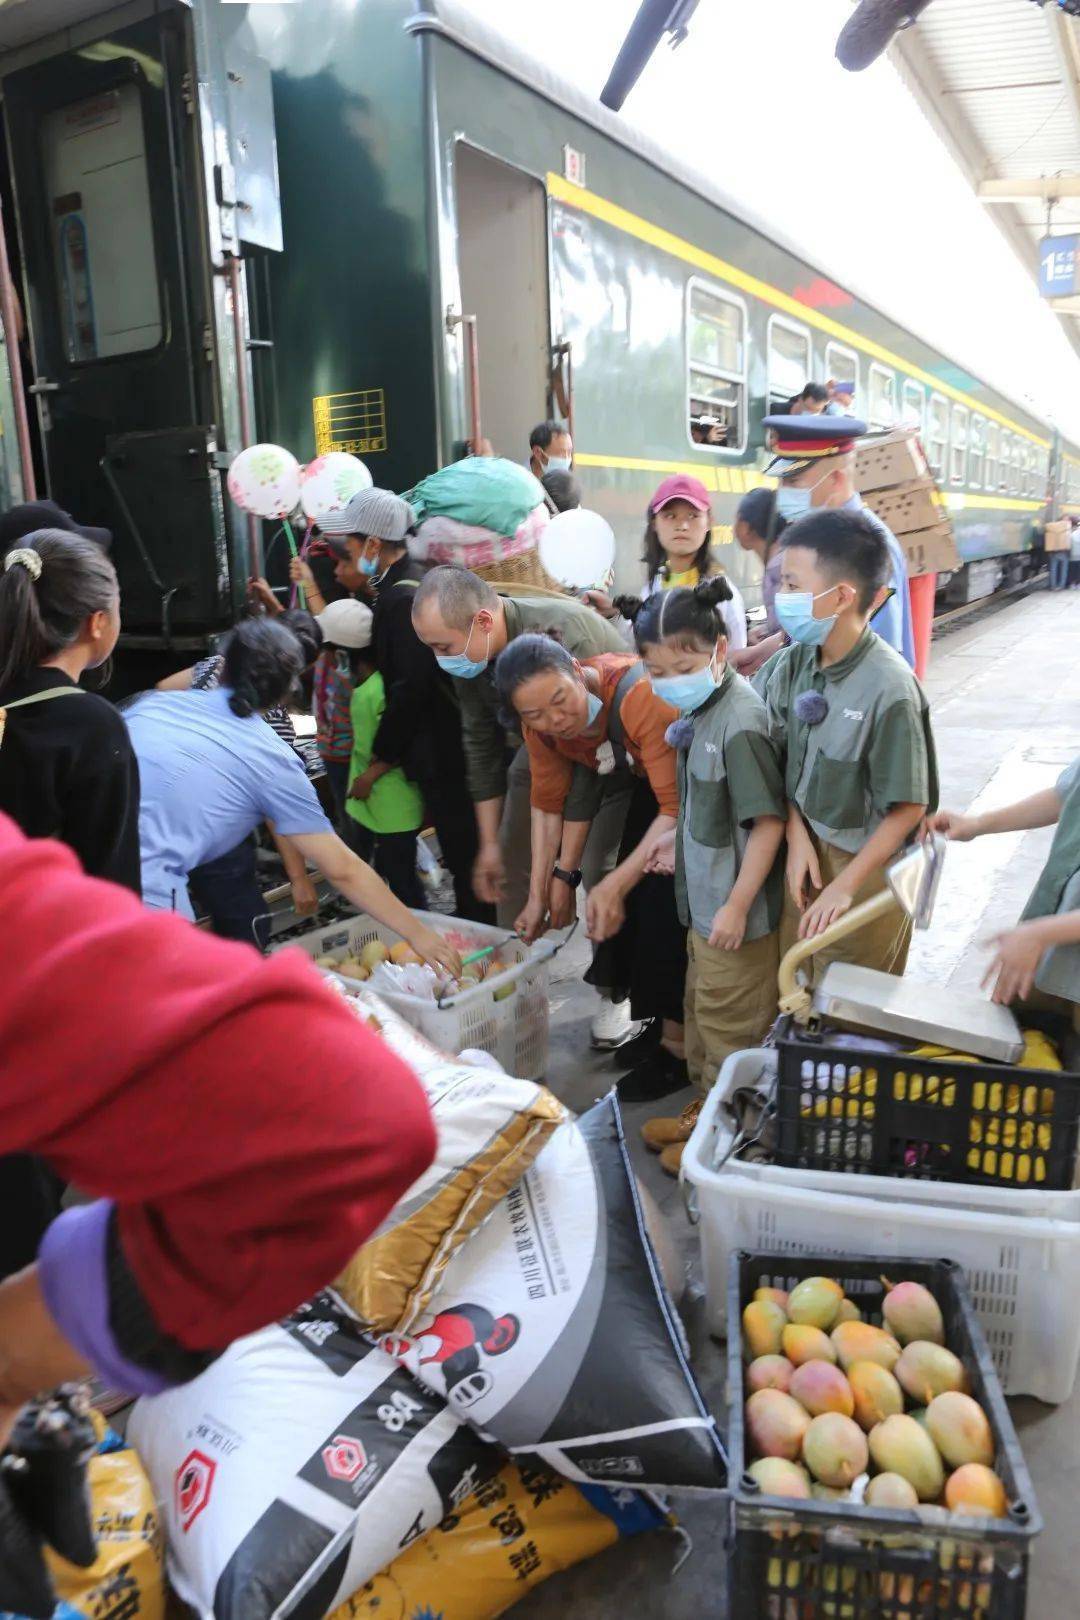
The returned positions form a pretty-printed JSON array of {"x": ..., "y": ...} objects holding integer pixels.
[
  {"x": 329, "y": 483},
  {"x": 264, "y": 479},
  {"x": 578, "y": 549}
]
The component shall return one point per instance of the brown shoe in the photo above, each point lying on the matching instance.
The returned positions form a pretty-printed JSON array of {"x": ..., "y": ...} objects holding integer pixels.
[
  {"x": 659, "y": 1134},
  {"x": 671, "y": 1158}
]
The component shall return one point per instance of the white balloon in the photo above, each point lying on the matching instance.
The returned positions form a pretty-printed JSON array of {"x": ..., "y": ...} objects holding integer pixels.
[
  {"x": 265, "y": 479},
  {"x": 578, "y": 549},
  {"x": 329, "y": 483}
]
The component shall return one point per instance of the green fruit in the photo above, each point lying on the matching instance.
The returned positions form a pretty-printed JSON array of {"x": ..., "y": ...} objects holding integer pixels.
[
  {"x": 815, "y": 1302},
  {"x": 902, "y": 1446}
]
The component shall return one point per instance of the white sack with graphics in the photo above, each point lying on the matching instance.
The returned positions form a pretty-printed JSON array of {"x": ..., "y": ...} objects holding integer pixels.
[
  {"x": 297, "y": 1466},
  {"x": 551, "y": 1330}
]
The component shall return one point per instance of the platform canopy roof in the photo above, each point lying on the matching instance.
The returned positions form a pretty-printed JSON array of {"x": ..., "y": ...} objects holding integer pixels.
[{"x": 1000, "y": 80}]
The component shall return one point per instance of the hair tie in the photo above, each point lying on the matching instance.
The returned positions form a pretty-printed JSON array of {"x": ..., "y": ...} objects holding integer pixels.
[{"x": 30, "y": 560}]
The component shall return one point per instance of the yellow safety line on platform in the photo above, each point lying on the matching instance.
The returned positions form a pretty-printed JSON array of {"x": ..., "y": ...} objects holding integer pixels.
[{"x": 622, "y": 219}]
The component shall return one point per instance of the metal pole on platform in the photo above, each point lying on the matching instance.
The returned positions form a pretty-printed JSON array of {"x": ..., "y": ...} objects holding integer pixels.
[
  {"x": 243, "y": 394},
  {"x": 9, "y": 309}
]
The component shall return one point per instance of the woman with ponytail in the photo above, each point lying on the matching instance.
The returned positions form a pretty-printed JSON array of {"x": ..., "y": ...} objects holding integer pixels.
[
  {"x": 67, "y": 769},
  {"x": 726, "y": 859},
  {"x": 212, "y": 769}
]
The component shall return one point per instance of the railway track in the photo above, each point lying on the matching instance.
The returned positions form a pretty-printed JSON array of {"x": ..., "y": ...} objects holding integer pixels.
[{"x": 954, "y": 617}]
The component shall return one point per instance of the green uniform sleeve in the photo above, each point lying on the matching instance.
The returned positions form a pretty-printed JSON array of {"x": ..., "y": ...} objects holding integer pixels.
[
  {"x": 773, "y": 683},
  {"x": 900, "y": 758},
  {"x": 755, "y": 777},
  {"x": 483, "y": 738}
]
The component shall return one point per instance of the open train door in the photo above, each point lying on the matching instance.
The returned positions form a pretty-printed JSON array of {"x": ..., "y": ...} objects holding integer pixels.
[
  {"x": 503, "y": 271},
  {"x": 100, "y": 150}
]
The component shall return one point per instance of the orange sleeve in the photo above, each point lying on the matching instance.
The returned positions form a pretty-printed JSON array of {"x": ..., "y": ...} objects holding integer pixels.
[
  {"x": 552, "y": 773},
  {"x": 645, "y": 719}
]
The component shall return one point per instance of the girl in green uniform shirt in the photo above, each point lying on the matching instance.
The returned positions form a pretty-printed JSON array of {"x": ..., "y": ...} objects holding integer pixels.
[
  {"x": 726, "y": 857},
  {"x": 1040, "y": 957}
]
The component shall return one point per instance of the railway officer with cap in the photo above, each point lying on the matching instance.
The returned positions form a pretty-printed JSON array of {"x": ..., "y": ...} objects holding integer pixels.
[{"x": 815, "y": 463}]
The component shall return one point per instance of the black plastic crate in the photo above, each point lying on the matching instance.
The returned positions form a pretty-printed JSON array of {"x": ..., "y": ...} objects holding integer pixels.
[
  {"x": 853, "y": 1109},
  {"x": 825, "y": 1560}
]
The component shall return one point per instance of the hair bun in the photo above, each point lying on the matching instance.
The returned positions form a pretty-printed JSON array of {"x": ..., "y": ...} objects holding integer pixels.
[{"x": 714, "y": 590}]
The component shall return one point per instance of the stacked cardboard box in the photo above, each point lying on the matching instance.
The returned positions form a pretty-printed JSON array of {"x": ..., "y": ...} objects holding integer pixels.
[
  {"x": 894, "y": 479},
  {"x": 1058, "y": 535}
]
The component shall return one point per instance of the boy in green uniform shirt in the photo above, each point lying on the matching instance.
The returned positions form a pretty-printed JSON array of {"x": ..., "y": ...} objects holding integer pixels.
[
  {"x": 383, "y": 809},
  {"x": 860, "y": 768},
  {"x": 1038, "y": 961},
  {"x": 728, "y": 872}
]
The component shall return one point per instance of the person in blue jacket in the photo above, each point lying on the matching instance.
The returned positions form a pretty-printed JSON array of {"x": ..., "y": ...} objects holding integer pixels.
[{"x": 815, "y": 463}]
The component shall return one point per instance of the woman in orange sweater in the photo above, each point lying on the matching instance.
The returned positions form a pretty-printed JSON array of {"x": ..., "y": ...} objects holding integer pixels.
[{"x": 582, "y": 720}]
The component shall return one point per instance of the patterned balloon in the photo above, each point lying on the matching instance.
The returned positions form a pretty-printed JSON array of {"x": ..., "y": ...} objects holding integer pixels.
[
  {"x": 265, "y": 479},
  {"x": 329, "y": 483}
]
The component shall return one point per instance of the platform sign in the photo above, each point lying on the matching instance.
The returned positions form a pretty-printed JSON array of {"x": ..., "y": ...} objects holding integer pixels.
[
  {"x": 1059, "y": 266},
  {"x": 354, "y": 422}
]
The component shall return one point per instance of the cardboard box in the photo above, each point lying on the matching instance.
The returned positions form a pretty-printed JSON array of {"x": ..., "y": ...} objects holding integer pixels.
[
  {"x": 1058, "y": 535},
  {"x": 930, "y": 551},
  {"x": 909, "y": 508},
  {"x": 894, "y": 458}
]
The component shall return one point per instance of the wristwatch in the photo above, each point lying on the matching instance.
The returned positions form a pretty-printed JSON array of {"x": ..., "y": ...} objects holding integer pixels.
[{"x": 571, "y": 879}]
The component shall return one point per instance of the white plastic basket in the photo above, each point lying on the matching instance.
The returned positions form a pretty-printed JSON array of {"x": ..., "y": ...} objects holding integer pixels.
[
  {"x": 1023, "y": 1269},
  {"x": 514, "y": 1029}
]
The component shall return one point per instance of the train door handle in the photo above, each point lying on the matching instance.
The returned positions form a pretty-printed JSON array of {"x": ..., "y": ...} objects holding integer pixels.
[{"x": 43, "y": 386}]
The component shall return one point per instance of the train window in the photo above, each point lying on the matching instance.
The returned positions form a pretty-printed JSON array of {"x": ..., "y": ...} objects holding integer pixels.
[
  {"x": 958, "y": 445},
  {"x": 102, "y": 226},
  {"x": 1006, "y": 458},
  {"x": 1014, "y": 467},
  {"x": 912, "y": 405},
  {"x": 937, "y": 434},
  {"x": 842, "y": 365},
  {"x": 977, "y": 452},
  {"x": 789, "y": 361},
  {"x": 1027, "y": 470},
  {"x": 716, "y": 361},
  {"x": 882, "y": 400},
  {"x": 993, "y": 455}
]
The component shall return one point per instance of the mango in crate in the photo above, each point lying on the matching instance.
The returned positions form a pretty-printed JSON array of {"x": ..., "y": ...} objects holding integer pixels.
[
  {"x": 875, "y": 1392},
  {"x": 800, "y": 1342},
  {"x": 777, "y": 1477},
  {"x": 925, "y": 1370},
  {"x": 815, "y": 1302},
  {"x": 763, "y": 1328},
  {"x": 821, "y": 1387},
  {"x": 835, "y": 1449},
  {"x": 902, "y": 1446},
  {"x": 350, "y": 968},
  {"x": 976, "y": 1491},
  {"x": 401, "y": 952},
  {"x": 960, "y": 1429},
  {"x": 769, "y": 1372},
  {"x": 861, "y": 1341},
  {"x": 373, "y": 953},
  {"x": 912, "y": 1312},
  {"x": 776, "y": 1424}
]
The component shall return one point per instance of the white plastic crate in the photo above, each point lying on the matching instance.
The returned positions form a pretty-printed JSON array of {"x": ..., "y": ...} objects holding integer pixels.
[
  {"x": 514, "y": 1029},
  {"x": 1023, "y": 1269}
]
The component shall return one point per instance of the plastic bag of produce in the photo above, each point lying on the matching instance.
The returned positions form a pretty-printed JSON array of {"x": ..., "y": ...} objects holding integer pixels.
[
  {"x": 490, "y": 1128},
  {"x": 299, "y": 1465},
  {"x": 465, "y": 545},
  {"x": 126, "y": 1581},
  {"x": 553, "y": 1333},
  {"x": 514, "y": 1532},
  {"x": 487, "y": 492}
]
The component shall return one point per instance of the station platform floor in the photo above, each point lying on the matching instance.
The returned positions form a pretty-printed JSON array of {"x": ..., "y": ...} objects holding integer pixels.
[{"x": 1005, "y": 692}]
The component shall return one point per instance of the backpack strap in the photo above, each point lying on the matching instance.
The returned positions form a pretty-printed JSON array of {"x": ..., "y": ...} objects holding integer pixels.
[
  {"x": 37, "y": 697},
  {"x": 616, "y": 735}
]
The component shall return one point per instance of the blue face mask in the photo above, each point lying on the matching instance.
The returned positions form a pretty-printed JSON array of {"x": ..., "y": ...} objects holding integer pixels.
[
  {"x": 792, "y": 503},
  {"x": 460, "y": 663},
  {"x": 593, "y": 706},
  {"x": 795, "y": 611},
  {"x": 558, "y": 464},
  {"x": 686, "y": 692},
  {"x": 369, "y": 567}
]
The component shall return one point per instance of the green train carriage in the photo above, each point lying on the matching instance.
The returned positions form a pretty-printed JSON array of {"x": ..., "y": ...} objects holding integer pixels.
[{"x": 313, "y": 199}]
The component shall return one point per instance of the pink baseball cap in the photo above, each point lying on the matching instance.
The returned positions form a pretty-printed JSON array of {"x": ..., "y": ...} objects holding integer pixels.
[{"x": 681, "y": 487}]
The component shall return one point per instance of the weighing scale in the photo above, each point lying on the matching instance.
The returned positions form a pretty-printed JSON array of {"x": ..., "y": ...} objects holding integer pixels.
[{"x": 881, "y": 1003}]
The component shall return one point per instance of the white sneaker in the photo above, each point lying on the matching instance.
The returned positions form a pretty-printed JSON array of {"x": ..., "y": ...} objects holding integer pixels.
[{"x": 613, "y": 1025}]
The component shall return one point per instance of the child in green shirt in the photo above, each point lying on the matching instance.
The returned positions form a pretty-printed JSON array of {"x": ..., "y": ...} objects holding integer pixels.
[
  {"x": 383, "y": 810},
  {"x": 854, "y": 725}
]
